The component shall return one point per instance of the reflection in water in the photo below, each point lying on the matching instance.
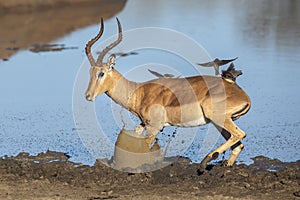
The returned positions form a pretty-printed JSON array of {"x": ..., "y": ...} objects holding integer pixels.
[
  {"x": 49, "y": 47},
  {"x": 21, "y": 30},
  {"x": 123, "y": 54}
]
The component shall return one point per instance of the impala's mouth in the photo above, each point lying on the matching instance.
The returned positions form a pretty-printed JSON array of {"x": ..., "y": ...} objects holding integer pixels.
[{"x": 89, "y": 98}]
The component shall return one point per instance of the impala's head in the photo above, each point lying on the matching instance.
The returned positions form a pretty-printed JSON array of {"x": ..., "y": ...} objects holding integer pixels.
[{"x": 101, "y": 72}]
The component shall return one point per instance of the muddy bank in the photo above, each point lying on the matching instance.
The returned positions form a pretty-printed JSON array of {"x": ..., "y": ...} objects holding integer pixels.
[
  {"x": 45, "y": 21},
  {"x": 16, "y": 6},
  {"x": 51, "y": 176}
]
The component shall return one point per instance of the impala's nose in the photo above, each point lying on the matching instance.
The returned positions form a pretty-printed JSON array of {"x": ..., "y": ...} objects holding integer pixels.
[{"x": 88, "y": 97}]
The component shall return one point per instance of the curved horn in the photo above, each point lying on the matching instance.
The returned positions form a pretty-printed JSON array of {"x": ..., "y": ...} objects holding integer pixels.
[
  {"x": 91, "y": 42},
  {"x": 111, "y": 46}
]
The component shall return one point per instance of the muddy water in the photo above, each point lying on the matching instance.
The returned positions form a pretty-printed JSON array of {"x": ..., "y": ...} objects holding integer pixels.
[{"x": 36, "y": 88}]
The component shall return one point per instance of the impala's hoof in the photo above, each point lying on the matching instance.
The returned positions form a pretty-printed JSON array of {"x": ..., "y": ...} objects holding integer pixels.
[
  {"x": 225, "y": 163},
  {"x": 203, "y": 163},
  {"x": 201, "y": 169}
]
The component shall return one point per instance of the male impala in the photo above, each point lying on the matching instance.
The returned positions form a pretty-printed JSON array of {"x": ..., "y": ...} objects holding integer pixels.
[{"x": 185, "y": 102}]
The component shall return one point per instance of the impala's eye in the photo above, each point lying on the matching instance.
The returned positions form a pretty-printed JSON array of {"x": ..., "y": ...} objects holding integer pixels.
[{"x": 101, "y": 74}]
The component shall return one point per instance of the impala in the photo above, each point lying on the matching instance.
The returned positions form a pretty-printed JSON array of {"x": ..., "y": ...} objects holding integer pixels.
[{"x": 167, "y": 101}]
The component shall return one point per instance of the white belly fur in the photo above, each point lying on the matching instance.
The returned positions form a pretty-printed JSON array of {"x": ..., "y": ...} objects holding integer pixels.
[{"x": 193, "y": 123}]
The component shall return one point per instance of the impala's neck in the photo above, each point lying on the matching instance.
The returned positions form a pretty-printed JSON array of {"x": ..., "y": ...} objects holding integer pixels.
[{"x": 121, "y": 90}]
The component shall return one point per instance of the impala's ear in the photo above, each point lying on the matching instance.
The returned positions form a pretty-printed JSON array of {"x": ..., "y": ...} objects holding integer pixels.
[{"x": 111, "y": 61}]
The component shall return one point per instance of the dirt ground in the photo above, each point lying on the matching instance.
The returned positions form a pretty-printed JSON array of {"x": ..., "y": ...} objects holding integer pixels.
[{"x": 51, "y": 176}]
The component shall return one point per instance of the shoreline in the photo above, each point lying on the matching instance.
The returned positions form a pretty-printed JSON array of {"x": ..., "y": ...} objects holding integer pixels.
[
  {"x": 51, "y": 175},
  {"x": 25, "y": 27},
  {"x": 16, "y": 6}
]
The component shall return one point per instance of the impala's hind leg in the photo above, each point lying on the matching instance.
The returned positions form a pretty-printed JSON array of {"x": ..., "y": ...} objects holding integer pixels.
[
  {"x": 236, "y": 135},
  {"x": 235, "y": 149}
]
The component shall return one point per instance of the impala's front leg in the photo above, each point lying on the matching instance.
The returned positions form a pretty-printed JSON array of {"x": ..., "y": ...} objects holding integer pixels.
[
  {"x": 155, "y": 122},
  {"x": 151, "y": 133},
  {"x": 139, "y": 129}
]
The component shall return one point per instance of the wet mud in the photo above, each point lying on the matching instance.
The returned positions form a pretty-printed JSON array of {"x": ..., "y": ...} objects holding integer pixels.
[{"x": 51, "y": 175}]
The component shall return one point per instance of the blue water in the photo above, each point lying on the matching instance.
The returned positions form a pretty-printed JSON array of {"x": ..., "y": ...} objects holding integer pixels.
[{"x": 36, "y": 88}]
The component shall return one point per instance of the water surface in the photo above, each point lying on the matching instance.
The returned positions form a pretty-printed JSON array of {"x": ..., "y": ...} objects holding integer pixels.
[{"x": 36, "y": 88}]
